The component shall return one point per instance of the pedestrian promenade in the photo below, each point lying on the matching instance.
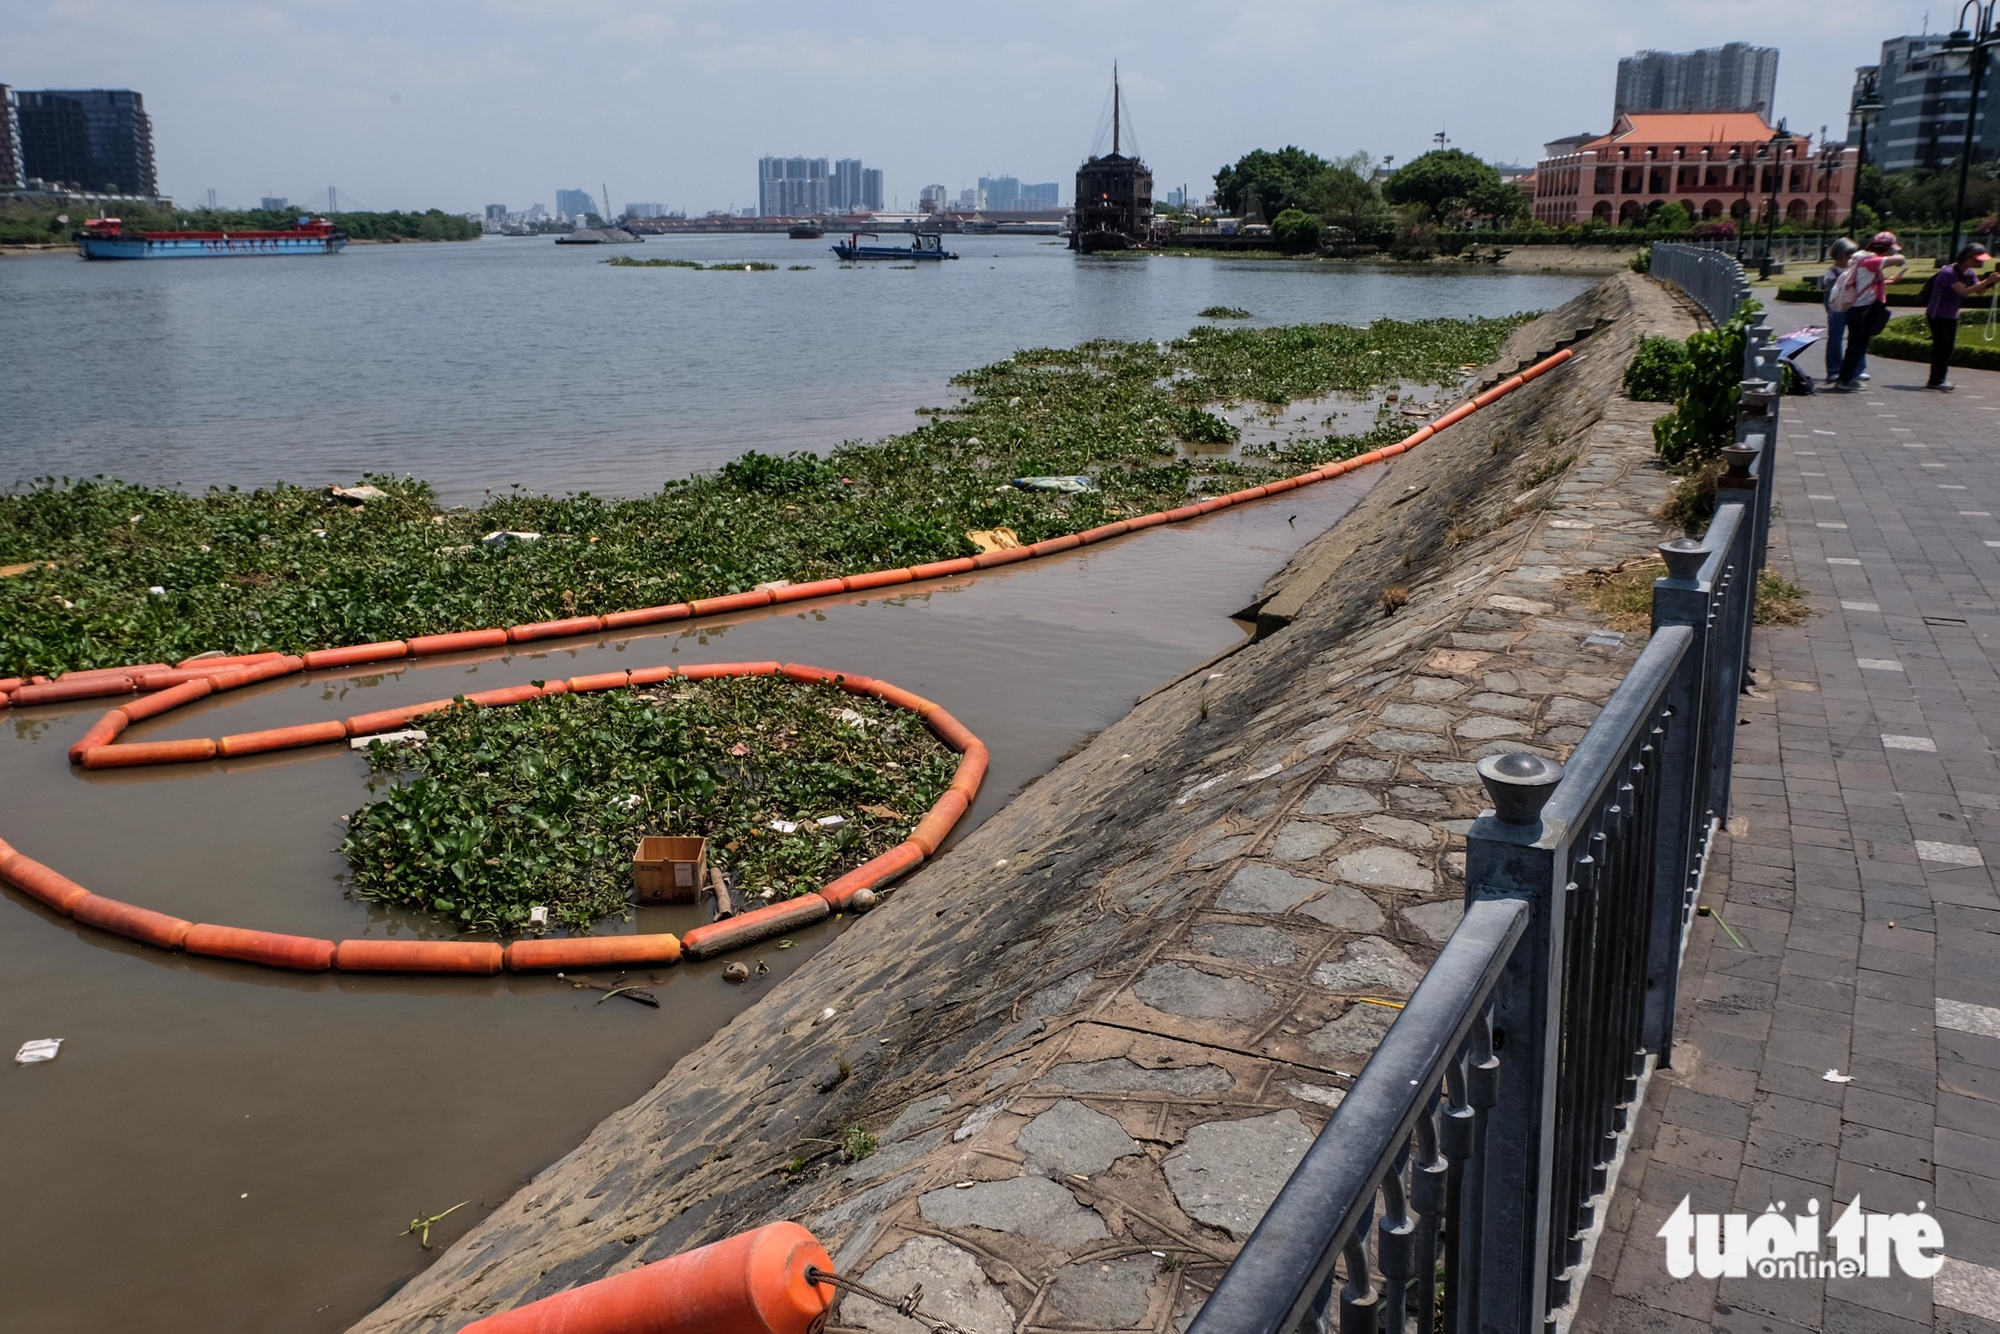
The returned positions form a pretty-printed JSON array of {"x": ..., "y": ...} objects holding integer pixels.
[{"x": 1839, "y": 1027}]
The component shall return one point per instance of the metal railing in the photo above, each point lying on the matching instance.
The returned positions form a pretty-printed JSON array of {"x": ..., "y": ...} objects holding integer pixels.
[
  {"x": 1456, "y": 1188},
  {"x": 1714, "y": 280}
]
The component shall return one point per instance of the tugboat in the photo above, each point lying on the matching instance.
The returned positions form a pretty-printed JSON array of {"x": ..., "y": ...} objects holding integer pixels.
[
  {"x": 106, "y": 238},
  {"x": 806, "y": 231},
  {"x": 923, "y": 246}
]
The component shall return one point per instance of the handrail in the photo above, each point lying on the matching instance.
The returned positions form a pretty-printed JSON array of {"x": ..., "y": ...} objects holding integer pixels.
[{"x": 1289, "y": 1260}]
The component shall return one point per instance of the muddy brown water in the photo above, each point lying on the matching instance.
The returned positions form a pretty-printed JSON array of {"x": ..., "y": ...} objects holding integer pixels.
[{"x": 223, "y": 1148}]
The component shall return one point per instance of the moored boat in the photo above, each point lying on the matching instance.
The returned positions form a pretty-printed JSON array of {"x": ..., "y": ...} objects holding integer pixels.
[
  {"x": 805, "y": 231},
  {"x": 923, "y": 245},
  {"x": 107, "y": 238}
]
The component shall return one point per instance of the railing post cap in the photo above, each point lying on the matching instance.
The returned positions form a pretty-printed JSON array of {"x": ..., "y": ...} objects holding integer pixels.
[
  {"x": 1684, "y": 557},
  {"x": 1519, "y": 785},
  {"x": 1739, "y": 458}
]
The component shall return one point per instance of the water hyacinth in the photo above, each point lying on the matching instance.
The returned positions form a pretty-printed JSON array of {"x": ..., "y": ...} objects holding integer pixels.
[
  {"x": 291, "y": 569},
  {"x": 541, "y": 804}
]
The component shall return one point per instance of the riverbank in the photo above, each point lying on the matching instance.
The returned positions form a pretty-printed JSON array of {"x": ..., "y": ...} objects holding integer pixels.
[{"x": 1085, "y": 1039}]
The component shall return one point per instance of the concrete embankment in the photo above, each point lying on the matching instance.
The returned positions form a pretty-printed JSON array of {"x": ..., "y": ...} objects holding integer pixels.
[{"x": 1093, "y": 1038}]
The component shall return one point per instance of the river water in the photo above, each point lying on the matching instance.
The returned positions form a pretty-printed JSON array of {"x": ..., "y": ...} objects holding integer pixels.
[{"x": 221, "y": 1148}]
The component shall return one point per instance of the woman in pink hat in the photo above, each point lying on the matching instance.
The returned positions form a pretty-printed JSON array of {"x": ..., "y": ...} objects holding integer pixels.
[{"x": 1864, "y": 290}]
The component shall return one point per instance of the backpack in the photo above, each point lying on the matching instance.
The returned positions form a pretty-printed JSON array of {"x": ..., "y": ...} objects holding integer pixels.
[
  {"x": 1848, "y": 289},
  {"x": 1928, "y": 291}
]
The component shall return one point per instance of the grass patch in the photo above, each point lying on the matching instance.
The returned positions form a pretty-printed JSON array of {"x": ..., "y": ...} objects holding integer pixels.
[
  {"x": 542, "y": 803},
  {"x": 1908, "y": 338},
  {"x": 630, "y": 262},
  {"x": 1624, "y": 597},
  {"x": 287, "y": 568},
  {"x": 1224, "y": 313},
  {"x": 1543, "y": 472}
]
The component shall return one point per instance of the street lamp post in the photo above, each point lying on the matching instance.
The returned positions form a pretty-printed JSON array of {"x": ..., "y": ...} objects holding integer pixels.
[
  {"x": 1780, "y": 139},
  {"x": 1830, "y": 155},
  {"x": 1967, "y": 49}
]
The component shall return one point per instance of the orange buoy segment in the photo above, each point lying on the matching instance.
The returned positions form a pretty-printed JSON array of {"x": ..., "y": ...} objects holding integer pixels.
[
  {"x": 857, "y": 583},
  {"x": 356, "y": 653},
  {"x": 583, "y": 685},
  {"x": 102, "y": 733},
  {"x": 732, "y": 602},
  {"x": 652, "y": 676},
  {"x": 703, "y": 671},
  {"x": 266, "y": 947},
  {"x": 971, "y": 770},
  {"x": 935, "y": 826},
  {"x": 575, "y": 625},
  {"x": 758, "y": 924},
  {"x": 625, "y": 620},
  {"x": 942, "y": 569},
  {"x": 220, "y": 660},
  {"x": 140, "y": 924},
  {"x": 390, "y": 720},
  {"x": 418, "y": 956},
  {"x": 872, "y": 874},
  {"x": 818, "y": 588},
  {"x": 949, "y": 729},
  {"x": 524, "y": 956},
  {"x": 281, "y": 738},
  {"x": 986, "y": 560},
  {"x": 187, "y": 692},
  {"x": 134, "y": 753},
  {"x": 430, "y": 646},
  {"x": 39, "y": 882},
  {"x": 752, "y": 1283},
  {"x": 89, "y": 687}
]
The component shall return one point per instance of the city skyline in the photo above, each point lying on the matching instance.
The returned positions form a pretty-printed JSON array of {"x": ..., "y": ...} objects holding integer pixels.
[{"x": 435, "y": 113}]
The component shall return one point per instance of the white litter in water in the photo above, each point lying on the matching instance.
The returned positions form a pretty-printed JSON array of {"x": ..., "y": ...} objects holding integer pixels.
[
  {"x": 415, "y": 736},
  {"x": 831, "y": 821},
  {"x": 37, "y": 1050},
  {"x": 1835, "y": 1077},
  {"x": 157, "y": 591},
  {"x": 785, "y": 826},
  {"x": 538, "y": 915},
  {"x": 851, "y": 718}
]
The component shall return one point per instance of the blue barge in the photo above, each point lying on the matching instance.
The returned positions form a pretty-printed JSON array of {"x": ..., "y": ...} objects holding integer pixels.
[
  {"x": 106, "y": 238},
  {"x": 923, "y": 246}
]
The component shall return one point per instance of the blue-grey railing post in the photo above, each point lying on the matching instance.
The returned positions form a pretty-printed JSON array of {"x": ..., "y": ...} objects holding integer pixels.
[
  {"x": 1735, "y": 586},
  {"x": 1510, "y": 855},
  {"x": 1681, "y": 598},
  {"x": 1757, "y": 428}
]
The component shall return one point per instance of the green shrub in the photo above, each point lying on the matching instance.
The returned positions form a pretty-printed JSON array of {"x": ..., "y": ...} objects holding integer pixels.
[
  {"x": 1651, "y": 376},
  {"x": 1642, "y": 260},
  {"x": 1705, "y": 389},
  {"x": 1296, "y": 231}
]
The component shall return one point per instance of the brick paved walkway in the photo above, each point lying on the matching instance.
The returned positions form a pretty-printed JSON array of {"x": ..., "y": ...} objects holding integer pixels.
[{"x": 1858, "y": 875}]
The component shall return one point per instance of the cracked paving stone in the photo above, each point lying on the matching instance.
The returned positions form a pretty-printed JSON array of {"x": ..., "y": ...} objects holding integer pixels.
[
  {"x": 1432, "y": 687},
  {"x": 1121, "y": 1074},
  {"x": 1361, "y": 770},
  {"x": 1417, "y": 799},
  {"x": 1406, "y": 742},
  {"x": 1175, "y": 988},
  {"x": 917, "y": 1116},
  {"x": 1220, "y": 851},
  {"x": 1070, "y": 1138},
  {"x": 1263, "y": 946},
  {"x": 894, "y": 1157},
  {"x": 1415, "y": 715},
  {"x": 1257, "y": 888},
  {"x": 1436, "y": 920},
  {"x": 1338, "y": 799},
  {"x": 1384, "y": 868},
  {"x": 865, "y": 1210},
  {"x": 1368, "y": 965},
  {"x": 1403, "y": 831},
  {"x": 1031, "y": 1206},
  {"x": 1302, "y": 840},
  {"x": 1055, "y": 999},
  {"x": 1111, "y": 1294},
  {"x": 1344, "y": 908},
  {"x": 955, "y": 1289},
  {"x": 1488, "y": 728},
  {"x": 1358, "y": 1031},
  {"x": 1226, "y": 1173}
]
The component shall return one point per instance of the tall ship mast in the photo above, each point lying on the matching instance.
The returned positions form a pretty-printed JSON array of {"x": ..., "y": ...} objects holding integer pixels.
[{"x": 1114, "y": 193}]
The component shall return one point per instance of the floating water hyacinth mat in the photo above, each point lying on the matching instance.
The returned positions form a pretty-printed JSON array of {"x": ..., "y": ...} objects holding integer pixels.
[
  {"x": 102, "y": 573},
  {"x": 542, "y": 803}
]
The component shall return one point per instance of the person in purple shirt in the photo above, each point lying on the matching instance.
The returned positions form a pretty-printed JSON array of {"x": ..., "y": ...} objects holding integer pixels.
[{"x": 1954, "y": 285}]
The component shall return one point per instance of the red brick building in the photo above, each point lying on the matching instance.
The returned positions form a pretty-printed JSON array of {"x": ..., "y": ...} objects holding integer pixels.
[{"x": 1713, "y": 164}]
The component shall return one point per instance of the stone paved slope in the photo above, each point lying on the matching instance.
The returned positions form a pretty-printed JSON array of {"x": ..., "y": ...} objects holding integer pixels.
[
  {"x": 1094, "y": 1038},
  {"x": 1859, "y": 878}
]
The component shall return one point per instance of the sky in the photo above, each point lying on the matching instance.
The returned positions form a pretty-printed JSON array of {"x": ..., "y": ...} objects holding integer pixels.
[{"x": 461, "y": 103}]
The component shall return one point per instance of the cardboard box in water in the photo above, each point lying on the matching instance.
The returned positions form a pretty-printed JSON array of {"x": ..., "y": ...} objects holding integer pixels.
[{"x": 670, "y": 870}]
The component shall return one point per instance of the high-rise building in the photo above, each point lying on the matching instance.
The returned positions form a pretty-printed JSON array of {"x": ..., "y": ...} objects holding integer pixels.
[
  {"x": 1042, "y": 195},
  {"x": 574, "y": 203},
  {"x": 92, "y": 139},
  {"x": 1922, "y": 121},
  {"x": 971, "y": 200},
  {"x": 871, "y": 188},
  {"x": 1002, "y": 192},
  {"x": 274, "y": 203},
  {"x": 1736, "y": 77},
  {"x": 645, "y": 210},
  {"x": 931, "y": 199},
  {"x": 793, "y": 187},
  {"x": 843, "y": 190},
  {"x": 496, "y": 213},
  {"x": 10, "y": 142}
]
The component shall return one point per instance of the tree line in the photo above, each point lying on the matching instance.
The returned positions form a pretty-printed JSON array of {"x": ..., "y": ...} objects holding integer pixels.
[{"x": 42, "y": 223}]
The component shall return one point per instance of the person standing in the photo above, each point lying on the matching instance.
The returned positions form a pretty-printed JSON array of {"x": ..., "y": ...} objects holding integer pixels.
[
  {"x": 1836, "y": 320},
  {"x": 1866, "y": 285},
  {"x": 1956, "y": 283}
]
